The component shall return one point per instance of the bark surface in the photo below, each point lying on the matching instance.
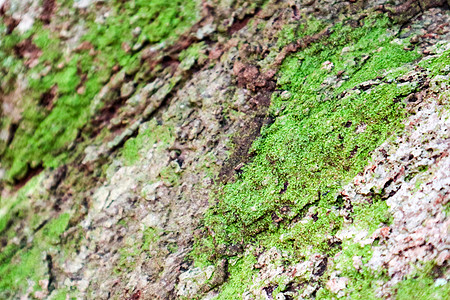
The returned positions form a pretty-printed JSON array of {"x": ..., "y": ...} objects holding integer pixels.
[{"x": 224, "y": 149}]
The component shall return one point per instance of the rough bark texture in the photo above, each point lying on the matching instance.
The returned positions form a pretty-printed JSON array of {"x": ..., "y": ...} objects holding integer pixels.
[{"x": 224, "y": 149}]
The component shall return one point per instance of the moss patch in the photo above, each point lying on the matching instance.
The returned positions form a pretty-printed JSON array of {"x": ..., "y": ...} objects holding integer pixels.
[
  {"x": 326, "y": 125},
  {"x": 135, "y": 248},
  {"x": 241, "y": 273},
  {"x": 422, "y": 285},
  {"x": 138, "y": 22},
  {"x": 320, "y": 138},
  {"x": 30, "y": 263},
  {"x": 151, "y": 134},
  {"x": 16, "y": 206},
  {"x": 73, "y": 80},
  {"x": 362, "y": 283}
]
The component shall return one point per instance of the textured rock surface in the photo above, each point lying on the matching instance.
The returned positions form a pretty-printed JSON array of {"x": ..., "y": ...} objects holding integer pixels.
[{"x": 224, "y": 149}]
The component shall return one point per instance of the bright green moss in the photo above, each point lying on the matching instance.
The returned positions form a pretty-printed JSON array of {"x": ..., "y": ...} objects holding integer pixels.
[
  {"x": 362, "y": 283},
  {"x": 50, "y": 46},
  {"x": 241, "y": 274},
  {"x": 310, "y": 154},
  {"x": 322, "y": 136},
  {"x": 319, "y": 139},
  {"x": 372, "y": 216},
  {"x": 7, "y": 253},
  {"x": 313, "y": 234},
  {"x": 43, "y": 134},
  {"x": 56, "y": 227},
  {"x": 30, "y": 265},
  {"x": 60, "y": 294},
  {"x": 438, "y": 65},
  {"x": 353, "y": 54},
  {"x": 293, "y": 32},
  {"x": 138, "y": 22}
]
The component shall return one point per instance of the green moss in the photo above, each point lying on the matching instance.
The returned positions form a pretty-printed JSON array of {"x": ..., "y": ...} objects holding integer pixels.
[
  {"x": 64, "y": 294},
  {"x": 43, "y": 135},
  {"x": 321, "y": 138},
  {"x": 55, "y": 228},
  {"x": 135, "y": 248},
  {"x": 292, "y": 32},
  {"x": 30, "y": 263},
  {"x": 372, "y": 216},
  {"x": 61, "y": 294},
  {"x": 7, "y": 253},
  {"x": 170, "y": 174},
  {"x": 316, "y": 143},
  {"x": 241, "y": 272},
  {"x": 191, "y": 55},
  {"x": 362, "y": 283},
  {"x": 203, "y": 251},
  {"x": 150, "y": 134},
  {"x": 158, "y": 21},
  {"x": 422, "y": 285},
  {"x": 313, "y": 234},
  {"x": 437, "y": 65},
  {"x": 19, "y": 204},
  {"x": 50, "y": 46},
  {"x": 10, "y": 65}
]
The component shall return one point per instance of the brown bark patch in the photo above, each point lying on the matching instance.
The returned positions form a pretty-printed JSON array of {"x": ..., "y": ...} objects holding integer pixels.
[
  {"x": 249, "y": 76},
  {"x": 47, "y": 98},
  {"x": 239, "y": 24},
  {"x": 28, "y": 51},
  {"x": 19, "y": 183},
  {"x": 103, "y": 118},
  {"x": 48, "y": 7}
]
